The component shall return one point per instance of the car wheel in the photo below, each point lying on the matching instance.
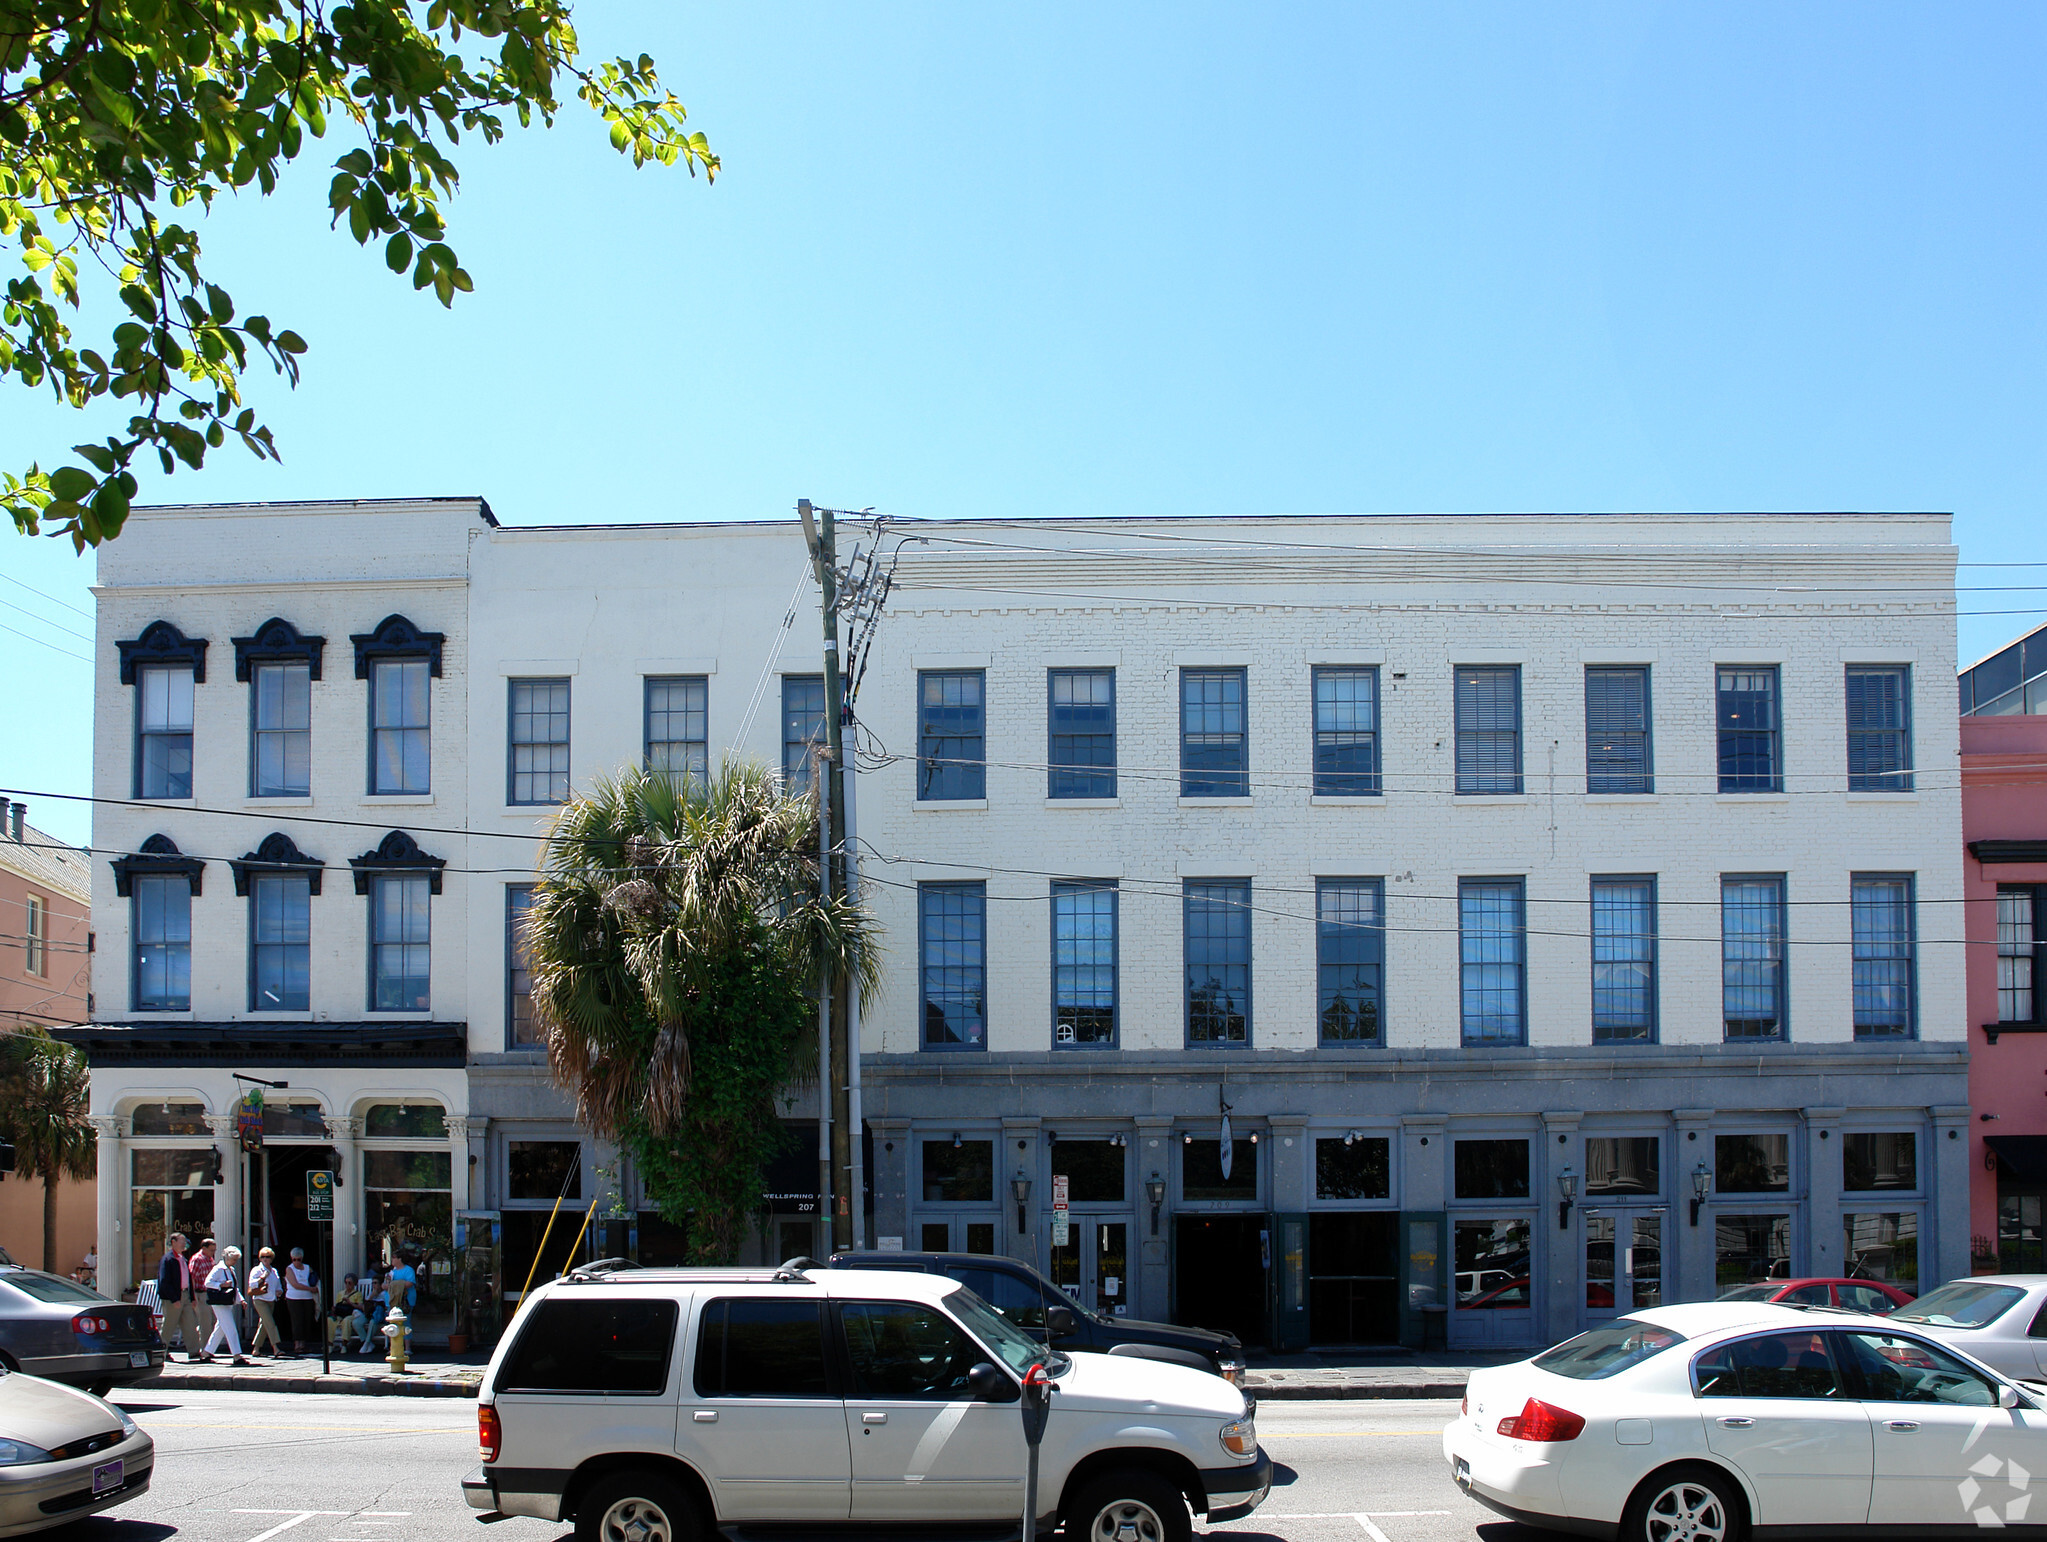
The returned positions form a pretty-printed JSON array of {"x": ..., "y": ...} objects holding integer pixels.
[
  {"x": 635, "y": 1507},
  {"x": 1129, "y": 1506},
  {"x": 100, "y": 1388},
  {"x": 1684, "y": 1504}
]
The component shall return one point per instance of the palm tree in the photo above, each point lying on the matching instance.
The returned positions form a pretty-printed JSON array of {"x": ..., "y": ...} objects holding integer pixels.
[
  {"x": 676, "y": 941},
  {"x": 45, "y": 1085}
]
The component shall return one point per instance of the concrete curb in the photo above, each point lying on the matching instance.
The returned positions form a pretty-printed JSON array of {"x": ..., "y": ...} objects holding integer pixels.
[
  {"x": 356, "y": 1386},
  {"x": 1300, "y": 1391}
]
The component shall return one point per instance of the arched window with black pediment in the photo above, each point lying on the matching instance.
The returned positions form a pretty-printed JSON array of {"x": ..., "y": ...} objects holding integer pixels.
[
  {"x": 280, "y": 665},
  {"x": 158, "y": 882},
  {"x": 399, "y": 881},
  {"x": 279, "y": 882},
  {"x": 398, "y": 659},
  {"x": 163, "y": 665}
]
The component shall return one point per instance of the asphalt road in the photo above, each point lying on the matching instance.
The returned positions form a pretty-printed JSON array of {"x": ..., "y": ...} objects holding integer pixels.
[{"x": 273, "y": 1467}]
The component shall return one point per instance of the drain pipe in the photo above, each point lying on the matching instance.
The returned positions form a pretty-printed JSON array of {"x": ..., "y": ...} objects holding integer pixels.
[{"x": 856, "y": 1136}]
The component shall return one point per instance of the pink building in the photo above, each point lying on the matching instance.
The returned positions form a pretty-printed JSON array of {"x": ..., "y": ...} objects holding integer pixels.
[{"x": 2004, "y": 826}]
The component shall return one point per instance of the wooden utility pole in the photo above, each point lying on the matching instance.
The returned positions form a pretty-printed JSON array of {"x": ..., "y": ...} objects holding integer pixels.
[{"x": 819, "y": 532}]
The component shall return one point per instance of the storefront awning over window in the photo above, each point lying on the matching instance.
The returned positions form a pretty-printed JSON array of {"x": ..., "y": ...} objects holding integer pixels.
[
  {"x": 2023, "y": 1157},
  {"x": 271, "y": 1044}
]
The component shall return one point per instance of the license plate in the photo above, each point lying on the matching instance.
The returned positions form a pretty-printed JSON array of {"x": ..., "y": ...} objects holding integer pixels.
[
  {"x": 138, "y": 1358},
  {"x": 1462, "y": 1472},
  {"x": 106, "y": 1478}
]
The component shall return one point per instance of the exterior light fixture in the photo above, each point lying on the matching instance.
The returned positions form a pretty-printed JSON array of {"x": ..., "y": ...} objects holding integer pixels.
[
  {"x": 1155, "y": 1191},
  {"x": 1567, "y": 1186},
  {"x": 1352, "y": 1137},
  {"x": 1702, "y": 1185},
  {"x": 956, "y": 1141},
  {"x": 1020, "y": 1189}
]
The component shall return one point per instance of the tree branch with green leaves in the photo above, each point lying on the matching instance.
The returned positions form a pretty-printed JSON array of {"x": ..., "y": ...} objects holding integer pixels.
[{"x": 122, "y": 120}]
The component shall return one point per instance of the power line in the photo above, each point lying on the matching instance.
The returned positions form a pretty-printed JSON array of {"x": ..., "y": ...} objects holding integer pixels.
[
  {"x": 43, "y": 642},
  {"x": 76, "y": 610},
  {"x": 69, "y": 631}
]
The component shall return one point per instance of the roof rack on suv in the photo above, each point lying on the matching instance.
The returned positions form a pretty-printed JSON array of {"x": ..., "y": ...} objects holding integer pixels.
[
  {"x": 792, "y": 1269},
  {"x": 601, "y": 1266}
]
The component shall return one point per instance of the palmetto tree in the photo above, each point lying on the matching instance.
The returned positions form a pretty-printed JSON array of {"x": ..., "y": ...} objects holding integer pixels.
[
  {"x": 676, "y": 943},
  {"x": 43, "y": 1099}
]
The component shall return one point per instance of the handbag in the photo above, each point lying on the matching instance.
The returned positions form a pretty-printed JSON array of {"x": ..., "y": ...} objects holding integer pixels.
[{"x": 220, "y": 1296}]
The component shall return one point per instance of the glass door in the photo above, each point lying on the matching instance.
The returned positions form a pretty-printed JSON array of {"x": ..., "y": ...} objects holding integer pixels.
[
  {"x": 1495, "y": 1296},
  {"x": 1623, "y": 1262},
  {"x": 955, "y": 1234},
  {"x": 1093, "y": 1266}
]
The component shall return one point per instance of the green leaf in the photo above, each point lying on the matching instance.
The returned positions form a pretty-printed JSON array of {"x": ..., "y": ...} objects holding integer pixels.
[
  {"x": 291, "y": 342},
  {"x": 398, "y": 252},
  {"x": 70, "y": 483},
  {"x": 110, "y": 503},
  {"x": 139, "y": 300}
]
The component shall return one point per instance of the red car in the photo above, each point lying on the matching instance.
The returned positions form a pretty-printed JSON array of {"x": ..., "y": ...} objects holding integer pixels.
[{"x": 1874, "y": 1296}]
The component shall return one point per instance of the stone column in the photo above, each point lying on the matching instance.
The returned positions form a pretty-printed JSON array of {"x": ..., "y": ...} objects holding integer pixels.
[
  {"x": 227, "y": 1194},
  {"x": 1692, "y": 1277},
  {"x": 1153, "y": 1296},
  {"x": 110, "y": 1235},
  {"x": 1946, "y": 1179},
  {"x": 1562, "y": 1147},
  {"x": 459, "y": 1175},
  {"x": 1823, "y": 1179},
  {"x": 891, "y": 1180},
  {"x": 349, "y": 1200}
]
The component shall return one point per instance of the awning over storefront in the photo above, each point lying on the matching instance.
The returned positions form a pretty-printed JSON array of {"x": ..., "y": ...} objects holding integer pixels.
[
  {"x": 443, "y": 1045},
  {"x": 2023, "y": 1157}
]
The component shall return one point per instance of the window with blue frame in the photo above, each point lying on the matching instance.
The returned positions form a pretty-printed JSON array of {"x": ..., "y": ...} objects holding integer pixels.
[
  {"x": 1346, "y": 731},
  {"x": 1350, "y": 952},
  {"x": 1623, "y": 960},
  {"x": 162, "y": 928},
  {"x": 1884, "y": 943},
  {"x": 1617, "y": 731},
  {"x": 1488, "y": 729},
  {"x": 1492, "y": 937},
  {"x": 399, "y": 708},
  {"x": 1084, "y": 964},
  {"x": 539, "y": 748},
  {"x": 1216, "y": 922},
  {"x": 1752, "y": 986},
  {"x": 163, "y": 731},
  {"x": 281, "y": 723},
  {"x": 1215, "y": 760},
  {"x": 951, "y": 735},
  {"x": 1083, "y": 733},
  {"x": 803, "y": 728},
  {"x": 1751, "y": 748},
  {"x": 399, "y": 942},
  {"x": 522, "y": 1024},
  {"x": 280, "y": 938},
  {"x": 952, "y": 948},
  {"x": 1879, "y": 728},
  {"x": 677, "y": 726}
]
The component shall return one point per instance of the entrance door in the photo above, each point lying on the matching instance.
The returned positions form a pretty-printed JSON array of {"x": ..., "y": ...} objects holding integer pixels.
[
  {"x": 1495, "y": 1291},
  {"x": 1220, "y": 1274},
  {"x": 1353, "y": 1280},
  {"x": 277, "y": 1201},
  {"x": 955, "y": 1234},
  {"x": 1094, "y": 1265},
  {"x": 1623, "y": 1263}
]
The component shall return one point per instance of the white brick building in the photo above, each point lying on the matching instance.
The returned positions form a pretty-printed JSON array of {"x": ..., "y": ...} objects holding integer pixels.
[{"x": 1406, "y": 1154}]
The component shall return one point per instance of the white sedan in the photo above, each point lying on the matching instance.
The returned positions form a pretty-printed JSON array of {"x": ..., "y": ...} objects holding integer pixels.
[
  {"x": 1695, "y": 1423},
  {"x": 2000, "y": 1319}
]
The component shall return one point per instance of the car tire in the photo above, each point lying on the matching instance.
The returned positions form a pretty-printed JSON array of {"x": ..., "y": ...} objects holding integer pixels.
[
  {"x": 1129, "y": 1505},
  {"x": 1659, "y": 1508},
  {"x": 100, "y": 1388},
  {"x": 636, "y": 1506}
]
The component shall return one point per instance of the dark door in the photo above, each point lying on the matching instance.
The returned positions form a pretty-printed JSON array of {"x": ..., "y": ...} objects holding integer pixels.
[
  {"x": 277, "y": 1206},
  {"x": 1353, "y": 1280},
  {"x": 1219, "y": 1274}
]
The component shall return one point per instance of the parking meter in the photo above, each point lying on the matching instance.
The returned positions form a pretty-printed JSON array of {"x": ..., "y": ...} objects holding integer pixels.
[{"x": 1037, "y": 1407}]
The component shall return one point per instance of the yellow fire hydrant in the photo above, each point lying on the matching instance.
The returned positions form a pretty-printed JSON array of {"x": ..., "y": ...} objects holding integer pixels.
[{"x": 398, "y": 1332}]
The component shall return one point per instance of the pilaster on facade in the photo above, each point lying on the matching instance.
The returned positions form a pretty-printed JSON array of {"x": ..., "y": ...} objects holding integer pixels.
[{"x": 1823, "y": 1167}]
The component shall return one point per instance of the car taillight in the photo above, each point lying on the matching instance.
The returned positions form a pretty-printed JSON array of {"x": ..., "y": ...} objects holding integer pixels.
[
  {"x": 87, "y": 1323},
  {"x": 1541, "y": 1421},
  {"x": 1464, "y": 1405},
  {"x": 487, "y": 1433}
]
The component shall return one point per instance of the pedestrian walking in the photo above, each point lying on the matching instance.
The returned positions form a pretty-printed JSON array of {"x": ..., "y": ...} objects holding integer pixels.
[
  {"x": 223, "y": 1294},
  {"x": 176, "y": 1294},
  {"x": 301, "y": 1300},
  {"x": 266, "y": 1291}
]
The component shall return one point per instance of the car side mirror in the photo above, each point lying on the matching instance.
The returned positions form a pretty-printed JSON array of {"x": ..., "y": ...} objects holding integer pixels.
[
  {"x": 987, "y": 1383},
  {"x": 2007, "y": 1397},
  {"x": 1059, "y": 1322}
]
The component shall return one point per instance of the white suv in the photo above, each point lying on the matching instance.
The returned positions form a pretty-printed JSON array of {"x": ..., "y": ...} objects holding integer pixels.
[{"x": 662, "y": 1405}]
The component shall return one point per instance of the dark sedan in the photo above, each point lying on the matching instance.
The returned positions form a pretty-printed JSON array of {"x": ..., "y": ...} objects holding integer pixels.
[{"x": 63, "y": 1331}]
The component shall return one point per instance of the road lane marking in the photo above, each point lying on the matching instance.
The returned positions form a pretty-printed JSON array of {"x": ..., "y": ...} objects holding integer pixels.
[
  {"x": 298, "y": 1517},
  {"x": 1370, "y": 1530},
  {"x": 1340, "y": 1435}
]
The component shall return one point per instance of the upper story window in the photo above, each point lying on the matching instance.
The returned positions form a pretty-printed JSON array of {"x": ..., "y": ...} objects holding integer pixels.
[
  {"x": 678, "y": 726},
  {"x": 1083, "y": 733},
  {"x": 1879, "y": 728},
  {"x": 951, "y": 734},
  {"x": 38, "y": 939},
  {"x": 1751, "y": 747},
  {"x": 1489, "y": 729},
  {"x": 803, "y": 729},
  {"x": 281, "y": 754},
  {"x": 952, "y": 949},
  {"x": 522, "y": 1026},
  {"x": 1623, "y": 960},
  {"x": 399, "y": 943},
  {"x": 400, "y": 742},
  {"x": 539, "y": 747},
  {"x": 1215, "y": 754},
  {"x": 2021, "y": 952},
  {"x": 1350, "y": 949},
  {"x": 2012, "y": 680},
  {"x": 1493, "y": 960},
  {"x": 1617, "y": 756},
  {"x": 161, "y": 919},
  {"x": 1216, "y": 946},
  {"x": 1885, "y": 947},
  {"x": 1346, "y": 731},
  {"x": 280, "y": 938},
  {"x": 1084, "y": 965},
  {"x": 163, "y": 705},
  {"x": 1752, "y": 955}
]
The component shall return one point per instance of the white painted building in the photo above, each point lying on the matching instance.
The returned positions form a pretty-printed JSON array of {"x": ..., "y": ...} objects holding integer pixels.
[{"x": 1378, "y": 786}]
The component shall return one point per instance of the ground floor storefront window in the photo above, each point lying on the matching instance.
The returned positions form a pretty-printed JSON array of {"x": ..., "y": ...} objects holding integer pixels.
[
  {"x": 172, "y": 1192},
  {"x": 408, "y": 1216},
  {"x": 1750, "y": 1248},
  {"x": 1882, "y": 1245}
]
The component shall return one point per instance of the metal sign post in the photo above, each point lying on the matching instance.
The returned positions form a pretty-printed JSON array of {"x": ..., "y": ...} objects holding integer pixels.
[{"x": 320, "y": 1207}]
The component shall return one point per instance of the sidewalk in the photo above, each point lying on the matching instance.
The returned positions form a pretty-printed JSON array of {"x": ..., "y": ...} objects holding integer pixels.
[{"x": 1393, "y": 1374}]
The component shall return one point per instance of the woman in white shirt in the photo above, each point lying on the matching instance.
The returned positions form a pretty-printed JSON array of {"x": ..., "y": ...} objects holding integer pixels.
[
  {"x": 223, "y": 1291},
  {"x": 266, "y": 1289}
]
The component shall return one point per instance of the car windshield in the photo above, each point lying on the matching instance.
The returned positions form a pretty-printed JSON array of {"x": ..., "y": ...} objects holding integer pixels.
[
  {"x": 51, "y": 1287},
  {"x": 1749, "y": 1293},
  {"x": 1019, "y": 1351},
  {"x": 1962, "y": 1304},
  {"x": 1607, "y": 1351}
]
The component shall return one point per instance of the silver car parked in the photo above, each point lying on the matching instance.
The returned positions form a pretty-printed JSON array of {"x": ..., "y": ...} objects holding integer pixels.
[
  {"x": 60, "y": 1329},
  {"x": 2001, "y": 1319},
  {"x": 64, "y": 1454}
]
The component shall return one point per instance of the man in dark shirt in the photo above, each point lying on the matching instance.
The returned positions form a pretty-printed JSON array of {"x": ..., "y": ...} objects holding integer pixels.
[{"x": 176, "y": 1293}]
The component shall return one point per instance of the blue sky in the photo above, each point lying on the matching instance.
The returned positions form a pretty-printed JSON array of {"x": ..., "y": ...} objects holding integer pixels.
[{"x": 1183, "y": 258}]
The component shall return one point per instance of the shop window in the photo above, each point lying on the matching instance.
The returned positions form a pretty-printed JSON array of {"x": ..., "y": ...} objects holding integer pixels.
[
  {"x": 1617, "y": 1165},
  {"x": 1751, "y": 1164},
  {"x": 1492, "y": 1169},
  {"x": 959, "y": 1173},
  {"x": 288, "y": 1119},
  {"x": 1881, "y": 1245},
  {"x": 1094, "y": 1171},
  {"x": 1353, "y": 1291},
  {"x": 1750, "y": 1248},
  {"x": 544, "y": 1169},
  {"x": 405, "y": 1121},
  {"x": 169, "y": 1119},
  {"x": 172, "y": 1190},
  {"x": 1360, "y": 1168},
  {"x": 1201, "y": 1170},
  {"x": 1879, "y": 1161},
  {"x": 1492, "y": 1265}
]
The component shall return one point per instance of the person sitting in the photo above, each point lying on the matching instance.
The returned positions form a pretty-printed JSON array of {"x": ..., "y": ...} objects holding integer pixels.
[
  {"x": 377, "y": 1293},
  {"x": 347, "y": 1318}
]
